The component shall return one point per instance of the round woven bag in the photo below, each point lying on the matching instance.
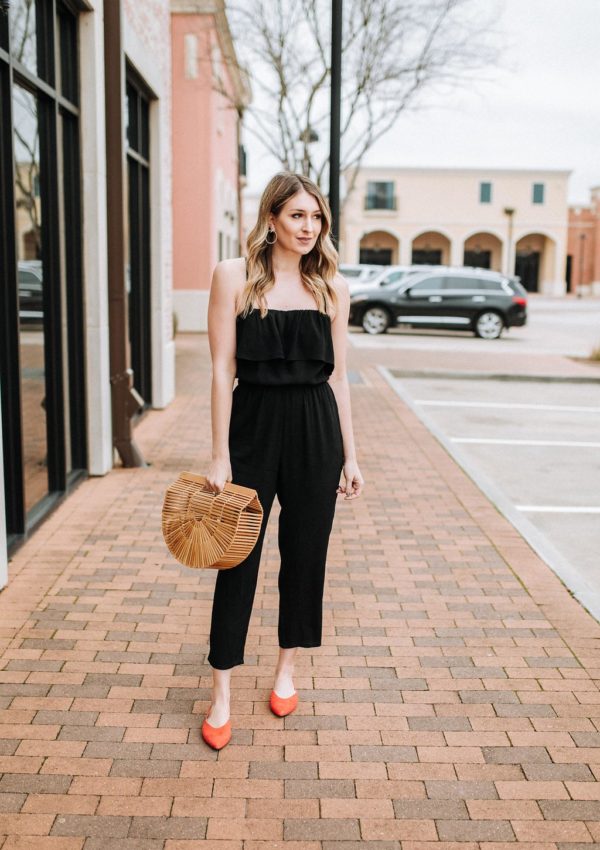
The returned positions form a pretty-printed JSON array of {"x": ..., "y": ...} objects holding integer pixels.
[{"x": 205, "y": 529}]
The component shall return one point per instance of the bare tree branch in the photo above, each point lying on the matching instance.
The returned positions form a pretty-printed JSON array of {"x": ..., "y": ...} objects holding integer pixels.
[{"x": 394, "y": 51}]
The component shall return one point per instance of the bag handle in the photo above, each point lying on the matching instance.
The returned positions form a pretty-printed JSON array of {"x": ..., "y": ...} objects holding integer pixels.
[{"x": 237, "y": 494}]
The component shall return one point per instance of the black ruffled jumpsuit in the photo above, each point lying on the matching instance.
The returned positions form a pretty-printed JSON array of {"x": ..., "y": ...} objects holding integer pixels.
[{"x": 284, "y": 440}]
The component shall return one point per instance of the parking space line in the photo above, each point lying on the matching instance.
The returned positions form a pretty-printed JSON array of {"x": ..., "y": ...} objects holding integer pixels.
[
  {"x": 557, "y": 509},
  {"x": 568, "y": 408},
  {"x": 576, "y": 579},
  {"x": 489, "y": 441}
]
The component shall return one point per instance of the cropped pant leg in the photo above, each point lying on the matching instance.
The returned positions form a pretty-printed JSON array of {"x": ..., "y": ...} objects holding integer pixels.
[
  {"x": 309, "y": 474},
  {"x": 254, "y": 452}
]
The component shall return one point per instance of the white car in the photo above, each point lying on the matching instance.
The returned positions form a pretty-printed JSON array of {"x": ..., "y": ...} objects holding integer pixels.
[
  {"x": 360, "y": 273},
  {"x": 386, "y": 277}
]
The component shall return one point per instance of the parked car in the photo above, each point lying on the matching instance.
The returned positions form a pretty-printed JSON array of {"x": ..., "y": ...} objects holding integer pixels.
[
  {"x": 454, "y": 298},
  {"x": 30, "y": 281}
]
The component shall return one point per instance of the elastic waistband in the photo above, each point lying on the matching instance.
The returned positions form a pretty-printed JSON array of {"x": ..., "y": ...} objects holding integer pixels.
[{"x": 285, "y": 387}]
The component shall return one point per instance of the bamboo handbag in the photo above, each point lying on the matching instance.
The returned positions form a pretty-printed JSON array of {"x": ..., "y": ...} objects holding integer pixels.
[{"x": 205, "y": 529}]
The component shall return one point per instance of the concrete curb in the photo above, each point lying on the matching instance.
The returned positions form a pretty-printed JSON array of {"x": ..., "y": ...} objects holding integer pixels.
[
  {"x": 491, "y": 376},
  {"x": 587, "y": 595}
]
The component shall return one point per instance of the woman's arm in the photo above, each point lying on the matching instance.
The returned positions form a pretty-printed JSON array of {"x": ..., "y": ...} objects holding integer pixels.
[
  {"x": 341, "y": 389},
  {"x": 221, "y": 338}
]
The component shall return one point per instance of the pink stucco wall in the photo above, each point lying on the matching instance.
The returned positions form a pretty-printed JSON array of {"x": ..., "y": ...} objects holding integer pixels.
[{"x": 204, "y": 140}]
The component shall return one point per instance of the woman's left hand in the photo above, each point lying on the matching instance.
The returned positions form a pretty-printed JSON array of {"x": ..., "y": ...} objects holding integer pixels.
[{"x": 354, "y": 481}]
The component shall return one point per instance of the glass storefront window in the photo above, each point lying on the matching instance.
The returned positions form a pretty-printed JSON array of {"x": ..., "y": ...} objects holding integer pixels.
[
  {"x": 23, "y": 33},
  {"x": 138, "y": 236},
  {"x": 67, "y": 66},
  {"x": 4, "y": 31},
  {"x": 31, "y": 293},
  {"x": 41, "y": 300}
]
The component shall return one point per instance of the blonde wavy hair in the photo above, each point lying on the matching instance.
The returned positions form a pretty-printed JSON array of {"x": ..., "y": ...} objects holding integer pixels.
[{"x": 317, "y": 268}]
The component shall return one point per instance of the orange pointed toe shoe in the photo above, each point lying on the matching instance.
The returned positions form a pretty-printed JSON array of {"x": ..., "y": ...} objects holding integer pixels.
[
  {"x": 216, "y": 736},
  {"x": 283, "y": 705}
]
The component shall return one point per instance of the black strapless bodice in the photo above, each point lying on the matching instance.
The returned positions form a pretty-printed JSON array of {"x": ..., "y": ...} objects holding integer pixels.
[{"x": 286, "y": 347}]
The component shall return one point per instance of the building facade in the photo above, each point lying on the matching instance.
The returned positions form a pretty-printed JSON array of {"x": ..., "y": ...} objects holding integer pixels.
[
  {"x": 583, "y": 246},
  {"x": 509, "y": 220},
  {"x": 86, "y": 243},
  {"x": 210, "y": 93}
]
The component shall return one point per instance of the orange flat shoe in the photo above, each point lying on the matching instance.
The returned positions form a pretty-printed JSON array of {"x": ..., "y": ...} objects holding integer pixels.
[
  {"x": 216, "y": 736},
  {"x": 283, "y": 705}
]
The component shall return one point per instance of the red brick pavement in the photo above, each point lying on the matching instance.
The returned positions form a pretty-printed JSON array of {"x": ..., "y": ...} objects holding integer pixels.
[{"x": 454, "y": 702}]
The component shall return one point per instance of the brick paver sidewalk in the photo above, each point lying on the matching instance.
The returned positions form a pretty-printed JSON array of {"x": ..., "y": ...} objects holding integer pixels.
[{"x": 454, "y": 703}]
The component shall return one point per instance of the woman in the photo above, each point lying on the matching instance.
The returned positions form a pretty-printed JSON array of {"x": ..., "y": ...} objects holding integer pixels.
[{"x": 278, "y": 323}]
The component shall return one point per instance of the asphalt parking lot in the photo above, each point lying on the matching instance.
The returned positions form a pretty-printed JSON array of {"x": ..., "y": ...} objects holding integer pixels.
[
  {"x": 534, "y": 449},
  {"x": 531, "y": 444}
]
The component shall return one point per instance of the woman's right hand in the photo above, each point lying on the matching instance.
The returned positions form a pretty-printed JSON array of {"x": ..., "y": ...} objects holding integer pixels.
[{"x": 218, "y": 473}]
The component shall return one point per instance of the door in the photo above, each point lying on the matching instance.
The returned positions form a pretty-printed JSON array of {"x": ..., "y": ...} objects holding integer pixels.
[
  {"x": 465, "y": 297},
  {"x": 426, "y": 257},
  {"x": 569, "y": 273},
  {"x": 527, "y": 267},
  {"x": 376, "y": 256},
  {"x": 478, "y": 259},
  {"x": 421, "y": 303}
]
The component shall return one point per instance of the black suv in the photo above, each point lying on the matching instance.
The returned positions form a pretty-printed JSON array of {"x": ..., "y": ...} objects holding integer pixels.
[{"x": 459, "y": 299}]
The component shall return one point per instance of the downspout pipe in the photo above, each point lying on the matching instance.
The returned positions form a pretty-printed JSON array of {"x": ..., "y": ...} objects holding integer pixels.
[{"x": 126, "y": 401}]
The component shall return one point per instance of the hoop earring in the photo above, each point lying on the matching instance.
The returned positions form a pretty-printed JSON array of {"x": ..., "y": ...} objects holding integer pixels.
[{"x": 267, "y": 237}]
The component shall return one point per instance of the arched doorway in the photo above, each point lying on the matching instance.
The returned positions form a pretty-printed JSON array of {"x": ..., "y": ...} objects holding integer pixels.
[
  {"x": 484, "y": 251},
  {"x": 379, "y": 248},
  {"x": 534, "y": 260},
  {"x": 431, "y": 248}
]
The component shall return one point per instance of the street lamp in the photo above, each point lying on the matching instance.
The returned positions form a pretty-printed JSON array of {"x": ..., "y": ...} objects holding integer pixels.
[
  {"x": 307, "y": 137},
  {"x": 509, "y": 213}
]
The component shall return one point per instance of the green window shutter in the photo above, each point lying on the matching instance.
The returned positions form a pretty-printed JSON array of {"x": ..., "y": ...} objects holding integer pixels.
[
  {"x": 538, "y": 193},
  {"x": 485, "y": 193}
]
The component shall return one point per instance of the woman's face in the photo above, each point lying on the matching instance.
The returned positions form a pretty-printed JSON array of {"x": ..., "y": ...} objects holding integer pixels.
[{"x": 298, "y": 223}]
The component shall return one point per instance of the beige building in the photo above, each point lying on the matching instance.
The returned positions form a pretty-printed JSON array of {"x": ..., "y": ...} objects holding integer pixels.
[{"x": 510, "y": 220}]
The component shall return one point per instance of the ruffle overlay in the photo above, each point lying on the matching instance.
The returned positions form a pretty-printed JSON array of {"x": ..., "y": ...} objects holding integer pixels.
[
  {"x": 287, "y": 346},
  {"x": 285, "y": 335}
]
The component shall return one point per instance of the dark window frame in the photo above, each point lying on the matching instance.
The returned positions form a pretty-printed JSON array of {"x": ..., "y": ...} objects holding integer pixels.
[
  {"x": 139, "y": 96},
  {"x": 49, "y": 105}
]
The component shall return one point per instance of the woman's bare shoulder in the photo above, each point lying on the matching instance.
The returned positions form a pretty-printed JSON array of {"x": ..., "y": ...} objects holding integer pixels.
[
  {"x": 340, "y": 284},
  {"x": 230, "y": 270},
  {"x": 229, "y": 279}
]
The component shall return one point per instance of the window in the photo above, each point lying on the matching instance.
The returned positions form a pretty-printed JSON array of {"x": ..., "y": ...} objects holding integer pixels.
[
  {"x": 485, "y": 193},
  {"x": 538, "y": 193},
  {"x": 380, "y": 196},
  {"x": 472, "y": 283},
  {"x": 41, "y": 298},
  {"x": 393, "y": 277},
  {"x": 490, "y": 285},
  {"x": 138, "y": 188},
  {"x": 462, "y": 283},
  {"x": 430, "y": 284}
]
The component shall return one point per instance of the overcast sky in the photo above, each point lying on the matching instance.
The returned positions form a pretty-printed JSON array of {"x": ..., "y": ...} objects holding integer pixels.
[{"x": 540, "y": 110}]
